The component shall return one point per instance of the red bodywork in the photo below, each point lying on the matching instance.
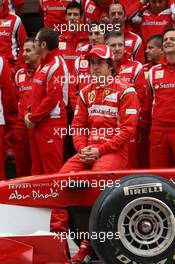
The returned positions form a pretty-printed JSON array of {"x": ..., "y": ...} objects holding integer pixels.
[
  {"x": 54, "y": 191},
  {"x": 46, "y": 191}
]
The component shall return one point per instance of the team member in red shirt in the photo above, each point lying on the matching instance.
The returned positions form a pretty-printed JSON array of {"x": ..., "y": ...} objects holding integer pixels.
[
  {"x": 75, "y": 35},
  {"x": 48, "y": 109},
  {"x": 154, "y": 56},
  {"x": 82, "y": 70},
  {"x": 24, "y": 80},
  {"x": 16, "y": 6},
  {"x": 131, "y": 71},
  {"x": 130, "y": 7},
  {"x": 100, "y": 106},
  {"x": 48, "y": 101},
  {"x": 153, "y": 18},
  {"x": 162, "y": 83},
  {"x": 137, "y": 5},
  {"x": 8, "y": 105},
  {"x": 95, "y": 9},
  {"x": 53, "y": 13},
  {"x": 12, "y": 36},
  {"x": 133, "y": 42}
]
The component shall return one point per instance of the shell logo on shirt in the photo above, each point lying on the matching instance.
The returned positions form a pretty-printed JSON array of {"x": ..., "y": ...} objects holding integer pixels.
[
  {"x": 62, "y": 45},
  {"x": 159, "y": 74},
  {"x": 90, "y": 9}
]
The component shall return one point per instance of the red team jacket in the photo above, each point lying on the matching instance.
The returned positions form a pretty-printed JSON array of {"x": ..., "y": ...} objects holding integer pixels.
[
  {"x": 53, "y": 12},
  {"x": 24, "y": 82},
  {"x": 152, "y": 24},
  {"x": 8, "y": 102},
  {"x": 14, "y": 3},
  {"x": 131, "y": 71},
  {"x": 162, "y": 83},
  {"x": 92, "y": 11},
  {"x": 50, "y": 92},
  {"x": 134, "y": 46},
  {"x": 113, "y": 106},
  {"x": 69, "y": 44},
  {"x": 12, "y": 37},
  {"x": 145, "y": 115}
]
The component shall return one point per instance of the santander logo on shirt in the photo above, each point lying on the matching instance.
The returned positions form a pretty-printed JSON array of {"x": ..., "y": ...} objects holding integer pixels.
[{"x": 4, "y": 33}]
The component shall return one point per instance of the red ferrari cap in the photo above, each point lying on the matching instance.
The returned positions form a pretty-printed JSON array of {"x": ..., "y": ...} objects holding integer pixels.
[{"x": 102, "y": 51}]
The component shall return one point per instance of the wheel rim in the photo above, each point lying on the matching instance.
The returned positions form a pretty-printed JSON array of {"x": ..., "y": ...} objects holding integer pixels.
[{"x": 146, "y": 225}]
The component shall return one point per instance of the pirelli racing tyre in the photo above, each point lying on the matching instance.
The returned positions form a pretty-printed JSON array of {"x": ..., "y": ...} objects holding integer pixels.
[{"x": 134, "y": 222}]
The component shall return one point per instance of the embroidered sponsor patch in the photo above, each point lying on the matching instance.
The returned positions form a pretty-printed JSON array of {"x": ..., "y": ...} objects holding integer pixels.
[
  {"x": 62, "y": 45},
  {"x": 84, "y": 64},
  {"x": 146, "y": 75},
  {"x": 21, "y": 78},
  {"x": 128, "y": 42},
  {"x": 91, "y": 96},
  {"x": 159, "y": 74},
  {"x": 112, "y": 97},
  {"x": 107, "y": 92},
  {"x": 131, "y": 111},
  {"x": 45, "y": 69},
  {"x": 90, "y": 9},
  {"x": 76, "y": 110},
  {"x": 5, "y": 23}
]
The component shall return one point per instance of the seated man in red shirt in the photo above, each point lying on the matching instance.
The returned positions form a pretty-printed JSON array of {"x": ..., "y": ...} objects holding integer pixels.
[{"x": 100, "y": 106}]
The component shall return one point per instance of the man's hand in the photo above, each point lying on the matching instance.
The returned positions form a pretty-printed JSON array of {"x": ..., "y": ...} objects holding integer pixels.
[
  {"x": 27, "y": 121},
  {"x": 89, "y": 154}
]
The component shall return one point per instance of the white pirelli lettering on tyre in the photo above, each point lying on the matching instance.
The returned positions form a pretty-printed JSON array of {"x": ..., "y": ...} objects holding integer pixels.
[
  {"x": 162, "y": 261},
  {"x": 125, "y": 260},
  {"x": 142, "y": 189}
]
